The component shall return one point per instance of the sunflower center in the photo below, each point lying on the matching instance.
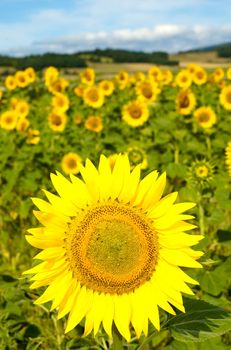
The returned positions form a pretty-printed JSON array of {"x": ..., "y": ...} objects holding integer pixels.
[
  {"x": 71, "y": 163},
  {"x": 56, "y": 120},
  {"x": 203, "y": 118},
  {"x": 184, "y": 101},
  {"x": 147, "y": 92},
  {"x": 93, "y": 95},
  {"x": 112, "y": 248},
  {"x": 228, "y": 97},
  {"x": 135, "y": 112}
]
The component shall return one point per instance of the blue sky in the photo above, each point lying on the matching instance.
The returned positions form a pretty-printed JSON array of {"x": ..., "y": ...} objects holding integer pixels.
[{"x": 37, "y": 26}]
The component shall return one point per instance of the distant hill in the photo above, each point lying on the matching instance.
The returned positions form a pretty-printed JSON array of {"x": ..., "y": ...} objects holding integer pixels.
[
  {"x": 82, "y": 59},
  {"x": 223, "y": 50}
]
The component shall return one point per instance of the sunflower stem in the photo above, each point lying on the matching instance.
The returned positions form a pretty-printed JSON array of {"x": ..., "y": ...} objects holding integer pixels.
[
  {"x": 176, "y": 154},
  {"x": 146, "y": 341},
  {"x": 201, "y": 219},
  {"x": 208, "y": 143},
  {"x": 117, "y": 339}
]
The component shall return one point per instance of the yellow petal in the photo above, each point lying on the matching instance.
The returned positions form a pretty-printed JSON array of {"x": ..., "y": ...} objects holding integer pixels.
[
  {"x": 174, "y": 278},
  {"x": 179, "y": 258},
  {"x": 123, "y": 314},
  {"x": 155, "y": 192},
  {"x": 50, "y": 219},
  {"x": 90, "y": 176},
  {"x": 68, "y": 191},
  {"x": 61, "y": 205},
  {"x": 169, "y": 219},
  {"x": 139, "y": 317},
  {"x": 130, "y": 185},
  {"x": 67, "y": 303},
  {"x": 160, "y": 297},
  {"x": 105, "y": 178},
  {"x": 50, "y": 253},
  {"x": 79, "y": 309},
  {"x": 177, "y": 227},
  {"x": 162, "y": 206},
  {"x": 108, "y": 315},
  {"x": 179, "y": 240},
  {"x": 144, "y": 187},
  {"x": 120, "y": 169},
  {"x": 53, "y": 288},
  {"x": 44, "y": 243}
]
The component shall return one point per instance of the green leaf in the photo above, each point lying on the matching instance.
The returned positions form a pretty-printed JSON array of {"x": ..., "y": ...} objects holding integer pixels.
[
  {"x": 200, "y": 322},
  {"x": 213, "y": 282},
  {"x": 210, "y": 344}
]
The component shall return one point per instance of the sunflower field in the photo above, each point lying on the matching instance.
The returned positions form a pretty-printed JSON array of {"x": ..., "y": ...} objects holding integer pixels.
[{"x": 113, "y": 257}]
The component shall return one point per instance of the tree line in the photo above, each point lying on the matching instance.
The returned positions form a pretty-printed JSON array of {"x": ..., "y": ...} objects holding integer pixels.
[{"x": 82, "y": 59}]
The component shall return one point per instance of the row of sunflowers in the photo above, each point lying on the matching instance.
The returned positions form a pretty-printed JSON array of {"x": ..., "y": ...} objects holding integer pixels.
[{"x": 178, "y": 123}]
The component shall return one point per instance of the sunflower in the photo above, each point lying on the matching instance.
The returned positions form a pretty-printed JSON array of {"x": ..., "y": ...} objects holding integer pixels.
[
  {"x": 200, "y": 76},
  {"x": 13, "y": 102},
  {"x": 22, "y": 108},
  {"x": 58, "y": 86},
  {"x": 10, "y": 82},
  {"x": 8, "y": 120},
  {"x": 147, "y": 91},
  {"x": 77, "y": 118},
  {"x": 228, "y": 73},
  {"x": 185, "y": 102},
  {"x": 78, "y": 90},
  {"x": 93, "y": 97},
  {"x": 228, "y": 157},
  {"x": 122, "y": 79},
  {"x": 51, "y": 74},
  {"x": 137, "y": 157},
  {"x": 192, "y": 67},
  {"x": 201, "y": 172},
  {"x": 183, "y": 79},
  {"x": 21, "y": 79},
  {"x": 33, "y": 137},
  {"x": 225, "y": 97},
  {"x": 70, "y": 163},
  {"x": 60, "y": 102},
  {"x": 135, "y": 113},
  {"x": 112, "y": 248},
  {"x": 167, "y": 77},
  {"x": 107, "y": 86},
  {"x": 205, "y": 117},
  {"x": 218, "y": 74},
  {"x": 22, "y": 124},
  {"x": 31, "y": 75},
  {"x": 94, "y": 123},
  {"x": 87, "y": 77},
  {"x": 57, "y": 121},
  {"x": 139, "y": 76},
  {"x": 155, "y": 74}
]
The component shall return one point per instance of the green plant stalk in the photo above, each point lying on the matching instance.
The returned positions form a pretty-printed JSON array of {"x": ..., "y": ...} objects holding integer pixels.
[
  {"x": 208, "y": 143},
  {"x": 176, "y": 155},
  {"x": 146, "y": 341},
  {"x": 201, "y": 219}
]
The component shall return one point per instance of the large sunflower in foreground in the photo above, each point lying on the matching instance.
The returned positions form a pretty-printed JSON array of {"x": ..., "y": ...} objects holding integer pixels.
[{"x": 112, "y": 248}]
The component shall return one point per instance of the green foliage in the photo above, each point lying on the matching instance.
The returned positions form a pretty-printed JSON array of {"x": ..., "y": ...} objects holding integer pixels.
[
  {"x": 171, "y": 143},
  {"x": 200, "y": 322}
]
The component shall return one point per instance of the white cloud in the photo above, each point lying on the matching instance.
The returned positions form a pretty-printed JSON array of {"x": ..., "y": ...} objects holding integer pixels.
[{"x": 165, "y": 37}]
